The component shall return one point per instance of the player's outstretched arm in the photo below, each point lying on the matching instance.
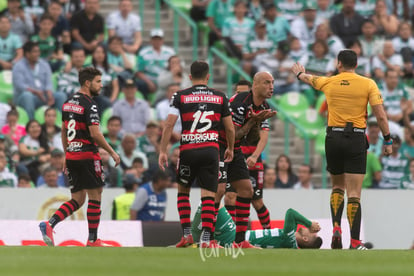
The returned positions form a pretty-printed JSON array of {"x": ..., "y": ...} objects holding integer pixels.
[
  {"x": 165, "y": 139},
  {"x": 100, "y": 140},
  {"x": 301, "y": 75}
]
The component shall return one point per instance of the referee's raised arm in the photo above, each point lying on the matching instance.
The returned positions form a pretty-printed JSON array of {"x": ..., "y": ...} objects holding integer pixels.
[{"x": 347, "y": 95}]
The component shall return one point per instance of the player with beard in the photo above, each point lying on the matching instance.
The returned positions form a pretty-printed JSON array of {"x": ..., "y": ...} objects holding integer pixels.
[{"x": 80, "y": 137}]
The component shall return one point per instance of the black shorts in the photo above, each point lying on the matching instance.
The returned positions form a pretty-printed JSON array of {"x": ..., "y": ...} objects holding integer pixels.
[
  {"x": 222, "y": 165},
  {"x": 84, "y": 174},
  {"x": 200, "y": 164},
  {"x": 346, "y": 153},
  {"x": 237, "y": 168},
  {"x": 256, "y": 177}
]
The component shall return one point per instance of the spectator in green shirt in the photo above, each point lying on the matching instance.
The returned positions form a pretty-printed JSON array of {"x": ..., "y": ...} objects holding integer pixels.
[
  {"x": 217, "y": 12},
  {"x": 50, "y": 48},
  {"x": 152, "y": 60},
  {"x": 11, "y": 50}
]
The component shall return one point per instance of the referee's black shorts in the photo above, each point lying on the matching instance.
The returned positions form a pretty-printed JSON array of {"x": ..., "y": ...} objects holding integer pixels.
[{"x": 346, "y": 152}]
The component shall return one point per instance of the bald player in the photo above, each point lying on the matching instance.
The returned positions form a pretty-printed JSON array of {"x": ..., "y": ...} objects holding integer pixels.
[{"x": 250, "y": 113}]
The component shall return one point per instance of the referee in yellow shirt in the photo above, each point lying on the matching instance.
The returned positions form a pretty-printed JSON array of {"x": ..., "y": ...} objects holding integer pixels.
[{"x": 347, "y": 95}]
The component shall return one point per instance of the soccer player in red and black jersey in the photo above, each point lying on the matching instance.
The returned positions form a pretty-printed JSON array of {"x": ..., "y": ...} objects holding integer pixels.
[
  {"x": 202, "y": 110},
  {"x": 80, "y": 138},
  {"x": 252, "y": 147},
  {"x": 250, "y": 113}
]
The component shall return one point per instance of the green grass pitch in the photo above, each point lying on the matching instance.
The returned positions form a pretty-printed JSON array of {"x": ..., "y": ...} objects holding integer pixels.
[{"x": 80, "y": 261}]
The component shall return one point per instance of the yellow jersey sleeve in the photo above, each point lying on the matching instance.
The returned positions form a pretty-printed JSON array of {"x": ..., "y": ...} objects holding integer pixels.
[
  {"x": 375, "y": 97},
  {"x": 318, "y": 82}
]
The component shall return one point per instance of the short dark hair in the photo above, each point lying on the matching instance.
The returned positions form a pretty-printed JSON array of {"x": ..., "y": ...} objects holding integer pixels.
[
  {"x": 55, "y": 2},
  {"x": 76, "y": 49},
  {"x": 348, "y": 58},
  {"x": 114, "y": 118},
  {"x": 114, "y": 38},
  {"x": 316, "y": 244},
  {"x": 4, "y": 16},
  {"x": 46, "y": 16},
  {"x": 160, "y": 175},
  {"x": 24, "y": 177},
  {"x": 88, "y": 74},
  {"x": 29, "y": 46},
  {"x": 138, "y": 160},
  {"x": 388, "y": 71},
  {"x": 199, "y": 69},
  {"x": 244, "y": 82},
  {"x": 309, "y": 167}
]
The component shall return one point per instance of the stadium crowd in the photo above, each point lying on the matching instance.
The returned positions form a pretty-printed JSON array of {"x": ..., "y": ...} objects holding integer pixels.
[{"x": 44, "y": 44}]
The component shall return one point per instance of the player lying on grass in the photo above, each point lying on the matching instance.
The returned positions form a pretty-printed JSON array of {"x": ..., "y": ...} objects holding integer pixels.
[{"x": 288, "y": 237}]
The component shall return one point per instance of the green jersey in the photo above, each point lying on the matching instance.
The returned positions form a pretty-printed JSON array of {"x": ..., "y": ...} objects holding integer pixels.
[
  {"x": 278, "y": 30},
  {"x": 8, "y": 46},
  {"x": 238, "y": 31},
  {"x": 318, "y": 66},
  {"x": 255, "y": 44},
  {"x": 290, "y": 9},
  {"x": 394, "y": 168},
  {"x": 392, "y": 98},
  {"x": 68, "y": 82},
  {"x": 8, "y": 179},
  {"x": 407, "y": 182},
  {"x": 279, "y": 238},
  {"x": 365, "y": 8},
  {"x": 407, "y": 151},
  {"x": 225, "y": 227},
  {"x": 47, "y": 46},
  {"x": 220, "y": 10},
  {"x": 273, "y": 238},
  {"x": 152, "y": 62}
]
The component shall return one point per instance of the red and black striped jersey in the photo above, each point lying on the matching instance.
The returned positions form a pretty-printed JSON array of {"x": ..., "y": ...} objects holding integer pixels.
[
  {"x": 201, "y": 109},
  {"x": 78, "y": 113},
  {"x": 241, "y": 106}
]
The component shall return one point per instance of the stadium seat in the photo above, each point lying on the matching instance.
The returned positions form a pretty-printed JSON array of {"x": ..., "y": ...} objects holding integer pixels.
[
  {"x": 293, "y": 103},
  {"x": 320, "y": 142},
  {"x": 311, "y": 122},
  {"x": 40, "y": 116},
  {"x": 104, "y": 119},
  {"x": 184, "y": 5},
  {"x": 6, "y": 87},
  {"x": 23, "y": 116}
]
